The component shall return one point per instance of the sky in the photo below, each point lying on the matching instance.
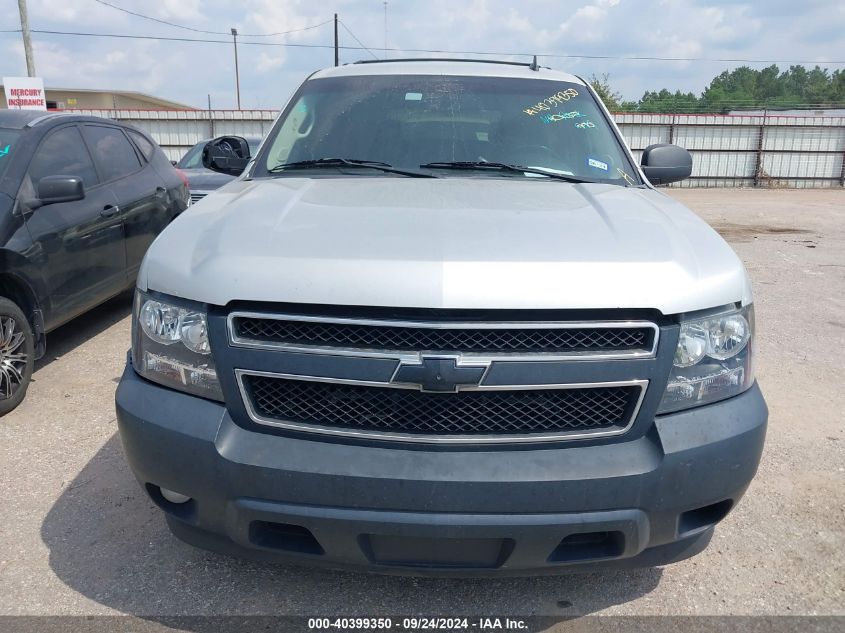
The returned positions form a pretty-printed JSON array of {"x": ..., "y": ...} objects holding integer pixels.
[{"x": 191, "y": 72}]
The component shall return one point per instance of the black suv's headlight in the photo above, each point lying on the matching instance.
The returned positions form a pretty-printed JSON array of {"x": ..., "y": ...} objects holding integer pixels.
[
  {"x": 170, "y": 345},
  {"x": 713, "y": 360}
]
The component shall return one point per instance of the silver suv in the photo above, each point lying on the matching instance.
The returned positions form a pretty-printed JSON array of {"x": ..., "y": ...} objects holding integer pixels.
[{"x": 535, "y": 364}]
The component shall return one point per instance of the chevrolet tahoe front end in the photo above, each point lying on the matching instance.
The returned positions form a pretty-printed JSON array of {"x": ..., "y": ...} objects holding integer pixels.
[{"x": 422, "y": 365}]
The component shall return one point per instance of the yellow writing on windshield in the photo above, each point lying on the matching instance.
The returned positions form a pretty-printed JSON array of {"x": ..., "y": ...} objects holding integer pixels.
[
  {"x": 626, "y": 176},
  {"x": 555, "y": 100}
]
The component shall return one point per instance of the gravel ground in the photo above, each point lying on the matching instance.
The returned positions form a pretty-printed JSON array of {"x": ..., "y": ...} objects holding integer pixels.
[{"x": 78, "y": 537}]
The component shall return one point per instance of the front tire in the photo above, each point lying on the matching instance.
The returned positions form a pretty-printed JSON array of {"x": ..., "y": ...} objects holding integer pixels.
[{"x": 17, "y": 355}]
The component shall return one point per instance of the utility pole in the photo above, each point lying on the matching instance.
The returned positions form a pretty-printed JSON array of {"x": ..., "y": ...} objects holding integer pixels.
[
  {"x": 237, "y": 72},
  {"x": 384, "y": 53},
  {"x": 336, "y": 51},
  {"x": 27, "y": 42}
]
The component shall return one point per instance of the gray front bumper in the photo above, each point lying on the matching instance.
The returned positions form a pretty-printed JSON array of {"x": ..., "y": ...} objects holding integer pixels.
[{"x": 411, "y": 510}]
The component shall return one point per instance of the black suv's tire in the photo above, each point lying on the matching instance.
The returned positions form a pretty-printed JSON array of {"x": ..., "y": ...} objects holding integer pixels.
[{"x": 17, "y": 355}]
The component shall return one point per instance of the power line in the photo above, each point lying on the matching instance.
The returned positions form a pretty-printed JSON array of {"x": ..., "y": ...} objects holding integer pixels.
[
  {"x": 447, "y": 52},
  {"x": 190, "y": 28},
  {"x": 180, "y": 39},
  {"x": 688, "y": 59},
  {"x": 695, "y": 108},
  {"x": 357, "y": 40},
  {"x": 152, "y": 19}
]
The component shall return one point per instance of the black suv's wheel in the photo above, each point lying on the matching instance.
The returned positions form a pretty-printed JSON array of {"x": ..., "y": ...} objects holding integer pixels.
[{"x": 17, "y": 355}]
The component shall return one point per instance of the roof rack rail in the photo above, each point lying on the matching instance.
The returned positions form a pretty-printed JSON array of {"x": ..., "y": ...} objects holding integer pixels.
[
  {"x": 45, "y": 117},
  {"x": 444, "y": 59}
]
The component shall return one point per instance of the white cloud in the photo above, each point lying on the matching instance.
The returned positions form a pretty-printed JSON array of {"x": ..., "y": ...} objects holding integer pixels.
[
  {"x": 182, "y": 9},
  {"x": 187, "y": 72},
  {"x": 134, "y": 67},
  {"x": 267, "y": 62},
  {"x": 76, "y": 12},
  {"x": 587, "y": 24},
  {"x": 519, "y": 23},
  {"x": 271, "y": 16}
]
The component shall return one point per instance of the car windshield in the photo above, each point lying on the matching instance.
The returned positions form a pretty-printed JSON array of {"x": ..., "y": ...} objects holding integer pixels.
[
  {"x": 193, "y": 159},
  {"x": 8, "y": 138},
  {"x": 412, "y": 121}
]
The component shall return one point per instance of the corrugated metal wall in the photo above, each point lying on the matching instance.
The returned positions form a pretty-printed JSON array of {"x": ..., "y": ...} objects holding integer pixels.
[
  {"x": 728, "y": 150},
  {"x": 178, "y": 130},
  {"x": 747, "y": 151}
]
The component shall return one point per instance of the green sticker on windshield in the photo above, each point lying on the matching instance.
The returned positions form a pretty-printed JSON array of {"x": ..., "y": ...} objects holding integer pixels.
[{"x": 4, "y": 151}]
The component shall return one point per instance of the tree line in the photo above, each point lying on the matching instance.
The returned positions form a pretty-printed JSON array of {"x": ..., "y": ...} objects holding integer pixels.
[{"x": 743, "y": 88}]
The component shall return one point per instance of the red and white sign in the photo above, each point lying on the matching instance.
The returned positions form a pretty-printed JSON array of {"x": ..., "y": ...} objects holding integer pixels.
[{"x": 24, "y": 93}]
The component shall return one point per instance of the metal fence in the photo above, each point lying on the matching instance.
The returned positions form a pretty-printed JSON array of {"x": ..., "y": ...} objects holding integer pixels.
[
  {"x": 728, "y": 150},
  {"x": 747, "y": 151},
  {"x": 176, "y": 131}
]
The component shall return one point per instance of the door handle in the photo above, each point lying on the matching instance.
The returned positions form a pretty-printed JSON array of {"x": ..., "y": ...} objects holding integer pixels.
[{"x": 110, "y": 210}]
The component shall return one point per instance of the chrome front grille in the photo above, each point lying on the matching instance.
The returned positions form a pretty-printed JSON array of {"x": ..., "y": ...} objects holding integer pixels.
[
  {"x": 513, "y": 415},
  {"x": 622, "y": 339},
  {"x": 442, "y": 380},
  {"x": 196, "y": 196}
]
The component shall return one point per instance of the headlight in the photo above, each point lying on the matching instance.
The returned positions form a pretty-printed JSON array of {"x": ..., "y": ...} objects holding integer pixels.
[
  {"x": 713, "y": 360},
  {"x": 170, "y": 346}
]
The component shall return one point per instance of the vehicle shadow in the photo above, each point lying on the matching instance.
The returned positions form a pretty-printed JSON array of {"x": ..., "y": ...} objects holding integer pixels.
[
  {"x": 109, "y": 543},
  {"x": 77, "y": 331}
]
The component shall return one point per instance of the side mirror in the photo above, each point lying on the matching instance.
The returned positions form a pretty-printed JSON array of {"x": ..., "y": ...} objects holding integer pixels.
[
  {"x": 226, "y": 154},
  {"x": 54, "y": 189},
  {"x": 664, "y": 163}
]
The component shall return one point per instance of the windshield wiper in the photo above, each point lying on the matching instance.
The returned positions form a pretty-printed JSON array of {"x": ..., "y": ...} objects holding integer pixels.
[
  {"x": 462, "y": 164},
  {"x": 319, "y": 163}
]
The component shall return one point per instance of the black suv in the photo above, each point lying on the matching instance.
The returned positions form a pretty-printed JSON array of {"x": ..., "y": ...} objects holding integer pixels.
[{"x": 81, "y": 199}]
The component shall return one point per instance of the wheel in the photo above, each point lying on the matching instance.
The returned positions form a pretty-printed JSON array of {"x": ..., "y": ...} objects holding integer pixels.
[{"x": 17, "y": 355}]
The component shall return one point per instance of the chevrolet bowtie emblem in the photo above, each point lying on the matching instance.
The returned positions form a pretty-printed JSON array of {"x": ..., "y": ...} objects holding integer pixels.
[{"x": 438, "y": 374}]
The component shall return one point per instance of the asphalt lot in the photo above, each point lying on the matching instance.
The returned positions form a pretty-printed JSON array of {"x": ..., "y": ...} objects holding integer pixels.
[{"x": 77, "y": 535}]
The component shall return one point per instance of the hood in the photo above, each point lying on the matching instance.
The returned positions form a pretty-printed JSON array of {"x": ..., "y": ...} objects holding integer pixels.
[
  {"x": 445, "y": 243},
  {"x": 202, "y": 179}
]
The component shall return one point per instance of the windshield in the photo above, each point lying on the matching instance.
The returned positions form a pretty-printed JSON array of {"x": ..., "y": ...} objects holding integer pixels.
[
  {"x": 8, "y": 138},
  {"x": 193, "y": 159},
  {"x": 409, "y": 121}
]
